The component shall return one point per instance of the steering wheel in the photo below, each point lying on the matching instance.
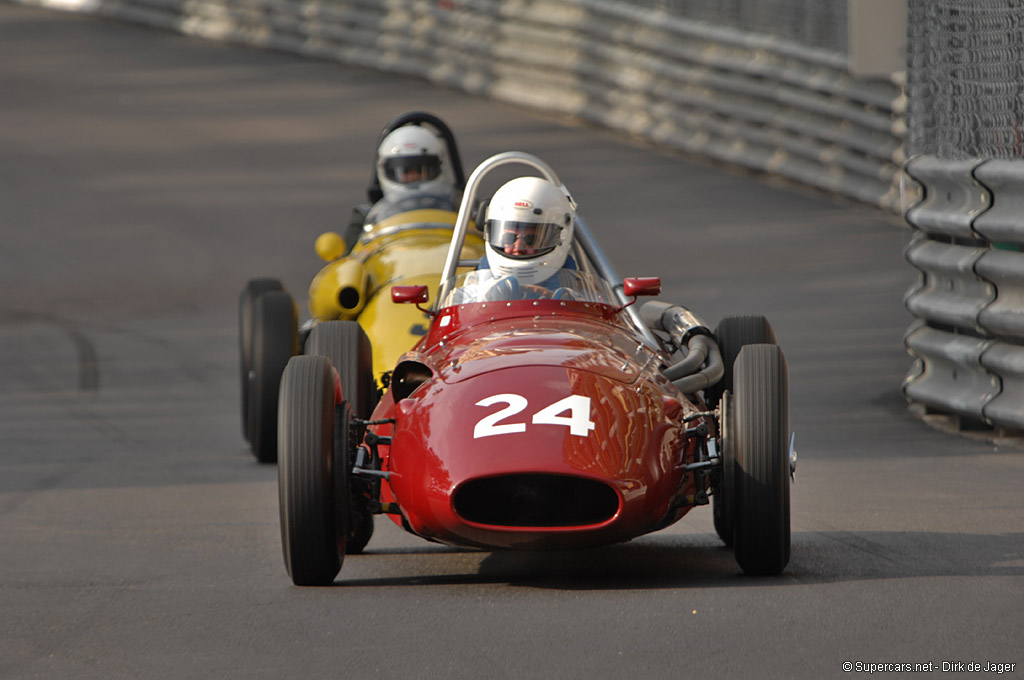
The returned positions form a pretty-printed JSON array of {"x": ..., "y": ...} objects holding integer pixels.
[
  {"x": 529, "y": 291},
  {"x": 509, "y": 288}
]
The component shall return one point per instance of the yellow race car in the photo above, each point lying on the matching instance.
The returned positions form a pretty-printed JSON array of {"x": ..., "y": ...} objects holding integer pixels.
[{"x": 402, "y": 239}]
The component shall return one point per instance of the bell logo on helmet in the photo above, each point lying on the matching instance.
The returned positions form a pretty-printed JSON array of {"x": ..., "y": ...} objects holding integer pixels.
[{"x": 523, "y": 204}]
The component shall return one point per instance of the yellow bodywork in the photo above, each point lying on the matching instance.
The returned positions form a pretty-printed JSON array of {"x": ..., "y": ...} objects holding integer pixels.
[{"x": 407, "y": 249}]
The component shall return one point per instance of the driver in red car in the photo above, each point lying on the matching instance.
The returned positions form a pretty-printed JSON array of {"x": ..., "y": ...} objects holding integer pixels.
[{"x": 529, "y": 232}]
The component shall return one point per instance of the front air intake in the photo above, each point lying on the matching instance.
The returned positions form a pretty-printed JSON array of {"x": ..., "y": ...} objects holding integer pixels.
[
  {"x": 536, "y": 500},
  {"x": 407, "y": 376}
]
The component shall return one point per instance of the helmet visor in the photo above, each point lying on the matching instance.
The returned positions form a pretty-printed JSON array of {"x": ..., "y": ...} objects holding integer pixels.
[
  {"x": 522, "y": 240},
  {"x": 406, "y": 169}
]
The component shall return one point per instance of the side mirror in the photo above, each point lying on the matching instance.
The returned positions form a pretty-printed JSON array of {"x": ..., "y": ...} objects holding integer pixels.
[
  {"x": 417, "y": 295},
  {"x": 330, "y": 246},
  {"x": 637, "y": 286},
  {"x": 404, "y": 295},
  {"x": 646, "y": 285}
]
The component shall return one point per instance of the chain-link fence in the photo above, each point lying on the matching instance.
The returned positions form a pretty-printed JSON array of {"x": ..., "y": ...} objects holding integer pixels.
[
  {"x": 965, "y": 91},
  {"x": 820, "y": 24},
  {"x": 965, "y": 79}
]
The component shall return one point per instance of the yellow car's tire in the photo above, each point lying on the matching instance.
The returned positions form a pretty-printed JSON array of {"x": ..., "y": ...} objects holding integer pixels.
[
  {"x": 275, "y": 341},
  {"x": 253, "y": 289}
]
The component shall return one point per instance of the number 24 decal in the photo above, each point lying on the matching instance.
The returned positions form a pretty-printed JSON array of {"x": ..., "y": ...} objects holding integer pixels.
[{"x": 578, "y": 421}]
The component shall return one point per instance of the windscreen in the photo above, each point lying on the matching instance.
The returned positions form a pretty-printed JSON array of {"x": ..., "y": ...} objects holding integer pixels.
[{"x": 484, "y": 286}]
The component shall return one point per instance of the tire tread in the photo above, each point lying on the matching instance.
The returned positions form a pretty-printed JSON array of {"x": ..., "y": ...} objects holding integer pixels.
[
  {"x": 761, "y": 412},
  {"x": 275, "y": 341},
  {"x": 305, "y": 479}
]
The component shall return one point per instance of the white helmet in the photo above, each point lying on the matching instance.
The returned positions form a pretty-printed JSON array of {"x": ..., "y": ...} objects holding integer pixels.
[
  {"x": 409, "y": 154},
  {"x": 529, "y": 229}
]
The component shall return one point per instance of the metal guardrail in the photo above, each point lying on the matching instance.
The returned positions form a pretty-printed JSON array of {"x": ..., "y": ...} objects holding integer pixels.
[
  {"x": 951, "y": 293},
  {"x": 1006, "y": 409},
  {"x": 968, "y": 341},
  {"x": 1002, "y": 222},
  {"x": 751, "y": 100},
  {"x": 953, "y": 198},
  {"x": 948, "y": 376}
]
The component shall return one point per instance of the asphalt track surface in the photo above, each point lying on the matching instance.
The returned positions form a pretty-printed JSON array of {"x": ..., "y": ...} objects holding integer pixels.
[{"x": 145, "y": 176}]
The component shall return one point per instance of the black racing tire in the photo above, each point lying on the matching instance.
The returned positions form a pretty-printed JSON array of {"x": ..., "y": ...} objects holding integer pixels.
[
  {"x": 312, "y": 486},
  {"x": 345, "y": 343},
  {"x": 275, "y": 341},
  {"x": 723, "y": 503},
  {"x": 253, "y": 289},
  {"x": 348, "y": 348},
  {"x": 732, "y": 334},
  {"x": 760, "y": 429}
]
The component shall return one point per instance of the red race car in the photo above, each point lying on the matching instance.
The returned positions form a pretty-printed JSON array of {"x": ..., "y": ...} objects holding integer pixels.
[{"x": 540, "y": 416}]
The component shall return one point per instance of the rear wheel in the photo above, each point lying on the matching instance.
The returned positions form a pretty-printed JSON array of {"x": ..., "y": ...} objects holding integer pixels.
[
  {"x": 362, "y": 528},
  {"x": 732, "y": 334},
  {"x": 312, "y": 484},
  {"x": 275, "y": 341},
  {"x": 724, "y": 497},
  {"x": 253, "y": 289},
  {"x": 346, "y": 345},
  {"x": 760, "y": 434}
]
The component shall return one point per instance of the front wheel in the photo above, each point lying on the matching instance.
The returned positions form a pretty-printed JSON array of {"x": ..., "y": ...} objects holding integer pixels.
[
  {"x": 760, "y": 434},
  {"x": 732, "y": 334},
  {"x": 312, "y": 486},
  {"x": 347, "y": 347}
]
